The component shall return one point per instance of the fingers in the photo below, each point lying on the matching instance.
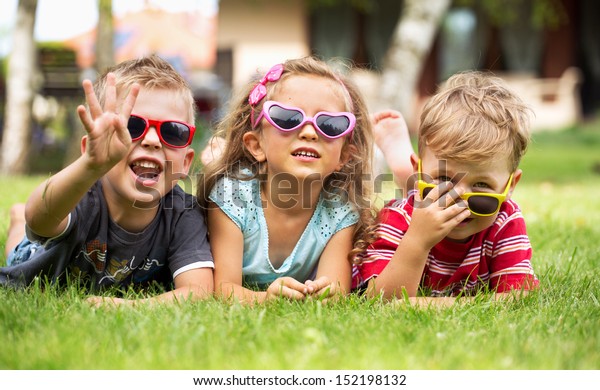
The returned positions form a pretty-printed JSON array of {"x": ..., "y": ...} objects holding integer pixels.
[
  {"x": 120, "y": 121},
  {"x": 91, "y": 99},
  {"x": 314, "y": 286},
  {"x": 444, "y": 194},
  {"x": 445, "y": 201},
  {"x": 85, "y": 118},
  {"x": 122, "y": 132},
  {"x": 288, "y": 288},
  {"x": 98, "y": 301},
  {"x": 130, "y": 101}
]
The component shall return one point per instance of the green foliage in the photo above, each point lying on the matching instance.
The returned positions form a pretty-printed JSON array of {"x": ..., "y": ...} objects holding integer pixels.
[
  {"x": 542, "y": 13},
  {"x": 3, "y": 66},
  {"x": 44, "y": 327},
  {"x": 361, "y": 5}
]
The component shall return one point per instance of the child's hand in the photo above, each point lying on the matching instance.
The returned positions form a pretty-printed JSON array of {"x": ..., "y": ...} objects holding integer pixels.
[
  {"x": 322, "y": 288},
  {"x": 435, "y": 216},
  {"x": 108, "y": 139},
  {"x": 288, "y": 288},
  {"x": 98, "y": 302}
]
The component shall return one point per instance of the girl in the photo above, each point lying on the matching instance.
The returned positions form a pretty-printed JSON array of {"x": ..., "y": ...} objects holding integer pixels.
[{"x": 286, "y": 201}]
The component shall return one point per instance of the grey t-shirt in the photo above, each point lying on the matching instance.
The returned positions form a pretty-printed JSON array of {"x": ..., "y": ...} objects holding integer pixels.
[{"x": 98, "y": 251}]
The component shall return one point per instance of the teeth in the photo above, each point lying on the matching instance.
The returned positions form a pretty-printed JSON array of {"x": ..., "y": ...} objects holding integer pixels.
[
  {"x": 146, "y": 164},
  {"x": 306, "y": 154}
]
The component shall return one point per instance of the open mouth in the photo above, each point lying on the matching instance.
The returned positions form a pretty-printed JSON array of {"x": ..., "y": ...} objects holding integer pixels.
[
  {"x": 306, "y": 154},
  {"x": 147, "y": 172}
]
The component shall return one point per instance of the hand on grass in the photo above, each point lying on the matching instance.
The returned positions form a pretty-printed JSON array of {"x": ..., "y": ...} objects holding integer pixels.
[
  {"x": 322, "y": 288},
  {"x": 288, "y": 288},
  {"x": 98, "y": 302}
]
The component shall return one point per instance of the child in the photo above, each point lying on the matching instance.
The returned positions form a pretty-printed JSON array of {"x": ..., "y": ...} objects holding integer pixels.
[
  {"x": 286, "y": 198},
  {"x": 460, "y": 232},
  {"x": 116, "y": 216}
]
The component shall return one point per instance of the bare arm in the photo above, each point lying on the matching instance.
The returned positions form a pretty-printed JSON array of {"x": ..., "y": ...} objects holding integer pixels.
[
  {"x": 444, "y": 302},
  {"x": 227, "y": 246},
  {"x": 106, "y": 143},
  {"x": 191, "y": 285},
  {"x": 334, "y": 271}
]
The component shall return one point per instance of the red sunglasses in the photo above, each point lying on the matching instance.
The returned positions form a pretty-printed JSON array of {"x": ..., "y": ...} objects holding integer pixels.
[{"x": 174, "y": 134}]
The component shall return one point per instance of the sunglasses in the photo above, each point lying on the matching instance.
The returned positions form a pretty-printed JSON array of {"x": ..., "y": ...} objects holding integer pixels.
[
  {"x": 330, "y": 125},
  {"x": 174, "y": 134},
  {"x": 481, "y": 204}
]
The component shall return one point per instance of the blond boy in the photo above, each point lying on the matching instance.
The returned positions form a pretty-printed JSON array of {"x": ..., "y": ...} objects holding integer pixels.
[
  {"x": 116, "y": 217},
  {"x": 461, "y": 232}
]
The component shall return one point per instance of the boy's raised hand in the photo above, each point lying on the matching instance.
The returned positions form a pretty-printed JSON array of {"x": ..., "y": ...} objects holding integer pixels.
[{"x": 108, "y": 139}]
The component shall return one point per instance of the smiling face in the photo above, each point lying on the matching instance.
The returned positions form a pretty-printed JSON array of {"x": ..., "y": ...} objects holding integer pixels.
[
  {"x": 487, "y": 177},
  {"x": 303, "y": 152},
  {"x": 151, "y": 169}
]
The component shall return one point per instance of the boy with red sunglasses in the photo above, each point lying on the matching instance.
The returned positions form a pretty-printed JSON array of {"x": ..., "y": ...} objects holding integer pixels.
[
  {"x": 460, "y": 233},
  {"x": 116, "y": 217}
]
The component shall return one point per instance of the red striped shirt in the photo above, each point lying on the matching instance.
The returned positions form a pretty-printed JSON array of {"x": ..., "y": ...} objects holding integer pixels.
[{"x": 497, "y": 258}]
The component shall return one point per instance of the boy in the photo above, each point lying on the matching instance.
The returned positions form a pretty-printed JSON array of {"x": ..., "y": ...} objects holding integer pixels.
[
  {"x": 116, "y": 216},
  {"x": 460, "y": 232}
]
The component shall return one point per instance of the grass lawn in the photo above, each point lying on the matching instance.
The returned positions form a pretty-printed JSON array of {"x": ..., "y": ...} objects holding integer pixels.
[{"x": 557, "y": 327}]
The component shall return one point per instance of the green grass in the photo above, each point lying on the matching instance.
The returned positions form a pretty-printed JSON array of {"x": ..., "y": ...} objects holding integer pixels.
[{"x": 557, "y": 327}]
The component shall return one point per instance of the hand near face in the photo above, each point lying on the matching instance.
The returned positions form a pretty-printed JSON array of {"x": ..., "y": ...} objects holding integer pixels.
[
  {"x": 107, "y": 140},
  {"x": 435, "y": 216}
]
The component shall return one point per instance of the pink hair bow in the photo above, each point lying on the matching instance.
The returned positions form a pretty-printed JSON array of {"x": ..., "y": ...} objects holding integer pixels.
[{"x": 260, "y": 91}]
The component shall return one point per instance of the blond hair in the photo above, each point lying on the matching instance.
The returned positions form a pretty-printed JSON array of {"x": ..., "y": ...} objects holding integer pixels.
[
  {"x": 151, "y": 72},
  {"x": 475, "y": 117},
  {"x": 348, "y": 181}
]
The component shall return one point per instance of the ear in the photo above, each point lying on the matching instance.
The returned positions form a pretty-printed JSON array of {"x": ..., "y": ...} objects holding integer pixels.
[
  {"x": 516, "y": 178},
  {"x": 188, "y": 159},
  {"x": 83, "y": 144},
  {"x": 347, "y": 152},
  {"x": 414, "y": 160},
  {"x": 251, "y": 141}
]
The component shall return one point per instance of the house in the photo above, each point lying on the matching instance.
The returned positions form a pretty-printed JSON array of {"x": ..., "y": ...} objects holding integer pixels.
[{"x": 556, "y": 68}]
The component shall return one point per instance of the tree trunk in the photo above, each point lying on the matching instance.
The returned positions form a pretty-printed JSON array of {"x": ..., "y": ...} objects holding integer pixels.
[
  {"x": 104, "y": 39},
  {"x": 411, "y": 43},
  {"x": 104, "y": 58},
  {"x": 20, "y": 91}
]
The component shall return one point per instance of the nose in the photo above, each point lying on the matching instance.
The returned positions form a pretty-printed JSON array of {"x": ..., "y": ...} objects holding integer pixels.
[
  {"x": 460, "y": 189},
  {"x": 308, "y": 132},
  {"x": 461, "y": 186},
  {"x": 151, "y": 139}
]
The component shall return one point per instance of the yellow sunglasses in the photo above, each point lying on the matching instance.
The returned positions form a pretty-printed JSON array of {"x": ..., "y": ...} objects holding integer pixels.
[{"x": 481, "y": 204}]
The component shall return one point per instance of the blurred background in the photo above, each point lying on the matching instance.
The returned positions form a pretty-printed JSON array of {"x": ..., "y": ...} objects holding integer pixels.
[{"x": 399, "y": 52}]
